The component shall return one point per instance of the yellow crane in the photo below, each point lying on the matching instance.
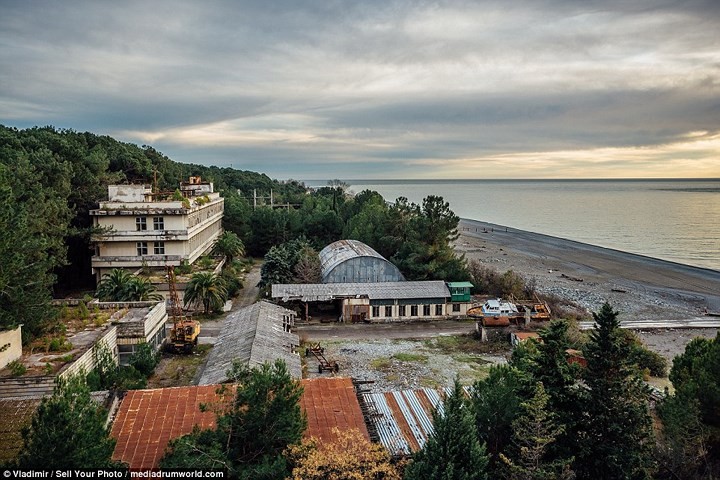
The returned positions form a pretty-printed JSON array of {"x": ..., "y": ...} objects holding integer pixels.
[{"x": 184, "y": 332}]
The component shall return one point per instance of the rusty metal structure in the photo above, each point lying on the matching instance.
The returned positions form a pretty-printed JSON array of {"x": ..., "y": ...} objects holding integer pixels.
[
  {"x": 184, "y": 332},
  {"x": 324, "y": 364}
]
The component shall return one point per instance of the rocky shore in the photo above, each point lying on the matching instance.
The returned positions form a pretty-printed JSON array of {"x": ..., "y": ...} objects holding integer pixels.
[{"x": 640, "y": 288}]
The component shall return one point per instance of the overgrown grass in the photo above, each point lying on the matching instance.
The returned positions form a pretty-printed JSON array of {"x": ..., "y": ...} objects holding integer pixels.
[
  {"x": 410, "y": 357},
  {"x": 178, "y": 370},
  {"x": 380, "y": 363}
]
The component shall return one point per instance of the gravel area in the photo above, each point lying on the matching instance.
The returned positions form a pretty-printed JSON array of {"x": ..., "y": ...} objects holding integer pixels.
[{"x": 406, "y": 364}]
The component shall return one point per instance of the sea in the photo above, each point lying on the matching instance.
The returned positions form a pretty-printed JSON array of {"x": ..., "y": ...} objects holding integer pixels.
[{"x": 675, "y": 220}]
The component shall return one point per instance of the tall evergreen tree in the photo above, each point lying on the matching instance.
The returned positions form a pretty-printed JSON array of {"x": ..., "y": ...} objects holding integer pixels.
[
  {"x": 559, "y": 378},
  {"x": 533, "y": 432},
  {"x": 68, "y": 431},
  {"x": 616, "y": 436},
  {"x": 453, "y": 451},
  {"x": 495, "y": 402}
]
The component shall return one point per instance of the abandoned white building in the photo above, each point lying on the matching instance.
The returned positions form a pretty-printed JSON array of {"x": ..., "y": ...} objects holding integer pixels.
[
  {"x": 155, "y": 230},
  {"x": 351, "y": 261}
]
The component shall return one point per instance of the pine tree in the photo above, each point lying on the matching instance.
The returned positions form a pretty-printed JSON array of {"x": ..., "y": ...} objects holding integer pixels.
[
  {"x": 560, "y": 381},
  {"x": 68, "y": 431},
  {"x": 453, "y": 451},
  {"x": 533, "y": 432},
  {"x": 616, "y": 437}
]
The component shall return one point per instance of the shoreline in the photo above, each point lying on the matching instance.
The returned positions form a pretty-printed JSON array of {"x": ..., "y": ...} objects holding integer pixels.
[
  {"x": 662, "y": 289},
  {"x": 644, "y": 290}
]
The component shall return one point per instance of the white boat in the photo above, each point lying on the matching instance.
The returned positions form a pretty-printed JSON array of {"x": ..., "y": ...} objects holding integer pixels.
[{"x": 499, "y": 308}]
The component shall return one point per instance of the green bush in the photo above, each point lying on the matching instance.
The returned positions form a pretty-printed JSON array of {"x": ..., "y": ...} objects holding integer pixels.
[
  {"x": 184, "y": 268},
  {"x": 145, "y": 359},
  {"x": 17, "y": 369}
]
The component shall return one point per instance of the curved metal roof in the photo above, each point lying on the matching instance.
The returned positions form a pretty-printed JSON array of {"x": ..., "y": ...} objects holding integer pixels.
[{"x": 351, "y": 251}]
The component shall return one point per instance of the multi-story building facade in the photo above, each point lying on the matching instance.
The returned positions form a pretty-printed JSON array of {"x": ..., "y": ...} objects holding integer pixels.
[{"x": 154, "y": 230}]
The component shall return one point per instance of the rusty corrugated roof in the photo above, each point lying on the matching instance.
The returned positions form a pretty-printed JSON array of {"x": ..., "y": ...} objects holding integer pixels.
[
  {"x": 148, "y": 419},
  {"x": 403, "y": 419},
  {"x": 329, "y": 403}
]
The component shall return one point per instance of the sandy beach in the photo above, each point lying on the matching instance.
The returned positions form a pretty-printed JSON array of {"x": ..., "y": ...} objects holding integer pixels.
[{"x": 640, "y": 288}]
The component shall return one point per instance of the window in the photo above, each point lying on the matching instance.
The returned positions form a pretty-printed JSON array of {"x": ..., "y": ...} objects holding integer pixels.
[
  {"x": 158, "y": 223},
  {"x": 413, "y": 310},
  {"x": 140, "y": 224},
  {"x": 141, "y": 248},
  {"x": 159, "y": 248},
  {"x": 388, "y": 311},
  {"x": 426, "y": 310},
  {"x": 438, "y": 309},
  {"x": 375, "y": 311},
  {"x": 401, "y": 309},
  {"x": 456, "y": 307}
]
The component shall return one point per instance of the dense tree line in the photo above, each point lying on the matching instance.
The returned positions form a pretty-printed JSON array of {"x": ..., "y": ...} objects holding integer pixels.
[
  {"x": 543, "y": 417},
  {"x": 416, "y": 238}
]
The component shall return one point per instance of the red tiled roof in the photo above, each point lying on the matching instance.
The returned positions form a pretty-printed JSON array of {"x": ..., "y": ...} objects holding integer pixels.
[
  {"x": 331, "y": 402},
  {"x": 148, "y": 419}
]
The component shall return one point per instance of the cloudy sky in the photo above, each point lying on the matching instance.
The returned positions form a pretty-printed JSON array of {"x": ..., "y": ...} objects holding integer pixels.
[{"x": 379, "y": 89}]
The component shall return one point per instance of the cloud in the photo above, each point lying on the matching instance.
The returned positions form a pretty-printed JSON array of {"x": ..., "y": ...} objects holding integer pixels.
[{"x": 412, "y": 88}]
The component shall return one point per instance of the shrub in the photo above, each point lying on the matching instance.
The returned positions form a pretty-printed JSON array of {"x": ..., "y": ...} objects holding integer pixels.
[
  {"x": 17, "y": 369},
  {"x": 145, "y": 359}
]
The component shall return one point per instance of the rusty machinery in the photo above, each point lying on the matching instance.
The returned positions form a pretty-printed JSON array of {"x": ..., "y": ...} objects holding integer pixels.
[
  {"x": 184, "y": 332},
  {"x": 319, "y": 353}
]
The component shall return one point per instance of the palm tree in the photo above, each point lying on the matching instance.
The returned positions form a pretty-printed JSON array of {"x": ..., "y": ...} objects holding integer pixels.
[
  {"x": 207, "y": 289},
  {"x": 113, "y": 285},
  {"x": 141, "y": 290},
  {"x": 122, "y": 286},
  {"x": 229, "y": 245}
]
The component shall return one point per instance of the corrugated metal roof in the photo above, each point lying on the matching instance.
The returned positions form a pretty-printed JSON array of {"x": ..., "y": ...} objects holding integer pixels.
[
  {"x": 361, "y": 257},
  {"x": 148, "y": 419},
  {"x": 314, "y": 292},
  {"x": 337, "y": 252},
  {"x": 253, "y": 335},
  {"x": 403, "y": 419},
  {"x": 331, "y": 403}
]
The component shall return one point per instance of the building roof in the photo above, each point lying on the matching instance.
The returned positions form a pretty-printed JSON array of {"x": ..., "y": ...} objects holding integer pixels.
[
  {"x": 460, "y": 284},
  {"x": 525, "y": 335},
  {"x": 331, "y": 403},
  {"x": 253, "y": 335},
  {"x": 320, "y": 292},
  {"x": 402, "y": 420},
  {"x": 148, "y": 419},
  {"x": 16, "y": 414},
  {"x": 337, "y": 253}
]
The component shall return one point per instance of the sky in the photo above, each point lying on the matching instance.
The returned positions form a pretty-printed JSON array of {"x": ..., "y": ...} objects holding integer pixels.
[{"x": 379, "y": 89}]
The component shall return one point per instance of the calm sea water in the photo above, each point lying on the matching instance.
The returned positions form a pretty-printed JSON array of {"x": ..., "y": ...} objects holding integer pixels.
[{"x": 676, "y": 220}]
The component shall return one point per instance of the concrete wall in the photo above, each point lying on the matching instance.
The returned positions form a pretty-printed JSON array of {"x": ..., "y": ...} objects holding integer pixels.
[
  {"x": 86, "y": 361},
  {"x": 10, "y": 346}
]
